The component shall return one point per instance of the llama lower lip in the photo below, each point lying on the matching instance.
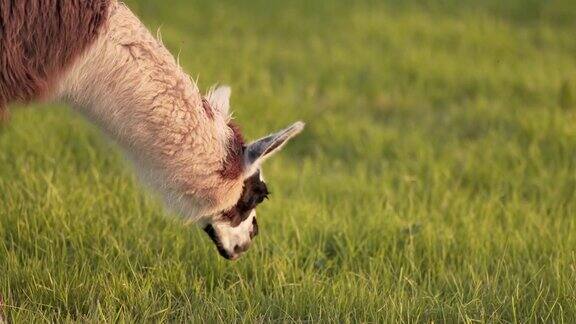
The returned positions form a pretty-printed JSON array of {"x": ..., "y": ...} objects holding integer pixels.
[{"x": 225, "y": 254}]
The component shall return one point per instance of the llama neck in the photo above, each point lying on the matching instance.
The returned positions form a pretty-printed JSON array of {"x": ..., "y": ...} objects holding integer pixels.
[{"x": 132, "y": 87}]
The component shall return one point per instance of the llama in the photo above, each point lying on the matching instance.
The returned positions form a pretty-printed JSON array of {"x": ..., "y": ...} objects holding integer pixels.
[{"x": 97, "y": 57}]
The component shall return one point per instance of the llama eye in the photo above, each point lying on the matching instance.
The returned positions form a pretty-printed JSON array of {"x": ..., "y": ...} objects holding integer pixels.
[{"x": 261, "y": 196}]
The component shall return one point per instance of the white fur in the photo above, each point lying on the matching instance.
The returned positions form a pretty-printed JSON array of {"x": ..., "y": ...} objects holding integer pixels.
[
  {"x": 231, "y": 237},
  {"x": 220, "y": 99}
]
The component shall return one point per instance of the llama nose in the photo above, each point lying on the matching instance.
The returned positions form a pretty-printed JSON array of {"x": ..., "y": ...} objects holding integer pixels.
[{"x": 241, "y": 248}]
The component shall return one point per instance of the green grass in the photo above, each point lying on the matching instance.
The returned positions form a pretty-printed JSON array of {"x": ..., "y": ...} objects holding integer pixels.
[{"x": 436, "y": 179}]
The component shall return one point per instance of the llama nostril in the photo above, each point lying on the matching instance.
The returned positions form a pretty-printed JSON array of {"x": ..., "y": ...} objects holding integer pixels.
[{"x": 241, "y": 248}]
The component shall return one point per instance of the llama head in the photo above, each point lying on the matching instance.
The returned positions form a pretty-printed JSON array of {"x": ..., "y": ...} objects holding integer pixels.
[{"x": 233, "y": 229}]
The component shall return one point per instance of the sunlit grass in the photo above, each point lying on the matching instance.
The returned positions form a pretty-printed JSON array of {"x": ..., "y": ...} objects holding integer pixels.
[{"x": 436, "y": 179}]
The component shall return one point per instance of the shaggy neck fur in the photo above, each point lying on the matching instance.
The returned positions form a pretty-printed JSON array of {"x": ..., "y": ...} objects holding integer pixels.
[{"x": 131, "y": 86}]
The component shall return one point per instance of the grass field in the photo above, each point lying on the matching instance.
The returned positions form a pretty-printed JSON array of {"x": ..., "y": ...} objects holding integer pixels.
[{"x": 436, "y": 179}]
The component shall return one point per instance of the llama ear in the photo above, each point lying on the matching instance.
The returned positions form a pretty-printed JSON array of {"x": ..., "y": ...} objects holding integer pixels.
[
  {"x": 220, "y": 99},
  {"x": 258, "y": 151}
]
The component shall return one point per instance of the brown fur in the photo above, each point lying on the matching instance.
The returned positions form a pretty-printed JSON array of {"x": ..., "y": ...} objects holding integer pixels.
[
  {"x": 207, "y": 108},
  {"x": 234, "y": 164},
  {"x": 39, "y": 40},
  {"x": 253, "y": 193},
  {"x": 4, "y": 116}
]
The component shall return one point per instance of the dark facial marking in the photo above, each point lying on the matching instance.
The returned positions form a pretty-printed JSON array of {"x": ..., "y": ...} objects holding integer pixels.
[
  {"x": 212, "y": 234},
  {"x": 253, "y": 194},
  {"x": 254, "y": 231}
]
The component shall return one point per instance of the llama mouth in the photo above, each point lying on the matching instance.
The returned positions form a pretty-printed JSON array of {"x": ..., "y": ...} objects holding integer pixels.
[{"x": 209, "y": 229}]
